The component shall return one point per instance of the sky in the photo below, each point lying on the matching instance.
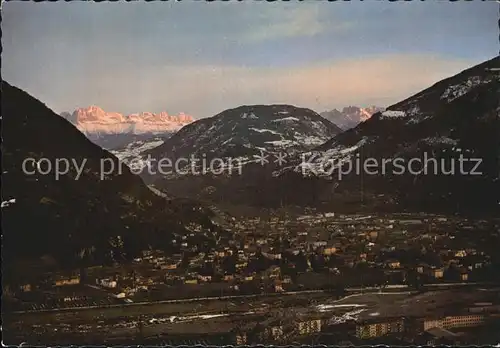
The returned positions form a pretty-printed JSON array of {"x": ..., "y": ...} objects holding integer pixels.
[{"x": 203, "y": 57}]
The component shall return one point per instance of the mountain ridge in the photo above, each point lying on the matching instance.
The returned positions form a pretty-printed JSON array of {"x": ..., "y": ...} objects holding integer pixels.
[
  {"x": 113, "y": 129},
  {"x": 458, "y": 116},
  {"x": 350, "y": 116},
  {"x": 92, "y": 218},
  {"x": 248, "y": 130}
]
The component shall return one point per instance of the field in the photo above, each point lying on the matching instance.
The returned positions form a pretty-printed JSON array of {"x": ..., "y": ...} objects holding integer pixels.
[{"x": 225, "y": 316}]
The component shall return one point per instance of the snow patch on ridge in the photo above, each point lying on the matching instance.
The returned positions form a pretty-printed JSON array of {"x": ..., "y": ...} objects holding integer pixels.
[
  {"x": 330, "y": 160},
  {"x": 250, "y": 115},
  {"x": 392, "y": 114},
  {"x": 285, "y": 119}
]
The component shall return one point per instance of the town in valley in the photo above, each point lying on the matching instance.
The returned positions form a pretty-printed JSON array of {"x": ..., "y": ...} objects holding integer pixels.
[{"x": 311, "y": 278}]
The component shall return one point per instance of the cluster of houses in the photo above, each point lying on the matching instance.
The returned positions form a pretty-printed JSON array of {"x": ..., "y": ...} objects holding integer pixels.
[{"x": 260, "y": 250}]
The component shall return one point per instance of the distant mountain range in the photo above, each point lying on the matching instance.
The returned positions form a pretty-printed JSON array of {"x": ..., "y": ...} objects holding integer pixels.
[
  {"x": 111, "y": 129},
  {"x": 350, "y": 116}
]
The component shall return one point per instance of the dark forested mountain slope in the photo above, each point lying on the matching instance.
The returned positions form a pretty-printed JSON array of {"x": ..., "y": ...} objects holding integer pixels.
[{"x": 86, "y": 219}]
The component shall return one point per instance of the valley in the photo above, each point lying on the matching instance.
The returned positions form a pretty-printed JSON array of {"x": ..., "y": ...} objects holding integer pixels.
[
  {"x": 281, "y": 250},
  {"x": 273, "y": 267}
]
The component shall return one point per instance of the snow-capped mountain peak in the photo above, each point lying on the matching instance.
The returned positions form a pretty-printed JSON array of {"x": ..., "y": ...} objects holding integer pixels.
[
  {"x": 108, "y": 128},
  {"x": 94, "y": 119},
  {"x": 94, "y": 114},
  {"x": 350, "y": 116},
  {"x": 249, "y": 130}
]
